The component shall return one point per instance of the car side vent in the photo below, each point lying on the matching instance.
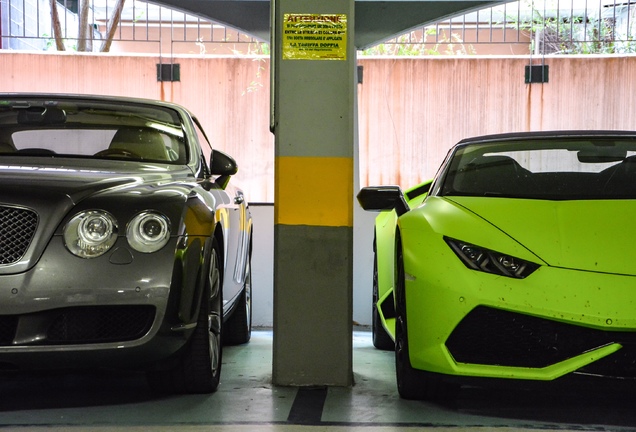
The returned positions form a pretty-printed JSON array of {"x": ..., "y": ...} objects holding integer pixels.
[{"x": 17, "y": 227}]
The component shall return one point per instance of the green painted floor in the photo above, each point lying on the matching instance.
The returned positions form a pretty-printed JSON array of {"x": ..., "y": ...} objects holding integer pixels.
[{"x": 247, "y": 401}]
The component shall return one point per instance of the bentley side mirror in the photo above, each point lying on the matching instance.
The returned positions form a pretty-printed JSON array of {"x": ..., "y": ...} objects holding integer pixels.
[{"x": 223, "y": 166}]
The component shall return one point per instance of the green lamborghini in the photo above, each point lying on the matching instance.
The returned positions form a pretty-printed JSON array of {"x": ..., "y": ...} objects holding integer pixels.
[{"x": 516, "y": 262}]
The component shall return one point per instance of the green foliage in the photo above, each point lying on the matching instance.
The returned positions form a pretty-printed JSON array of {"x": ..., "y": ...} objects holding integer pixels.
[
  {"x": 426, "y": 42},
  {"x": 253, "y": 48},
  {"x": 553, "y": 28},
  {"x": 256, "y": 84},
  {"x": 570, "y": 34}
]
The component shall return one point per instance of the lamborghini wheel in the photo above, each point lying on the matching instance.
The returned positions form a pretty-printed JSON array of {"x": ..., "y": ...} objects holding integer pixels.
[
  {"x": 409, "y": 384},
  {"x": 412, "y": 383},
  {"x": 381, "y": 338}
]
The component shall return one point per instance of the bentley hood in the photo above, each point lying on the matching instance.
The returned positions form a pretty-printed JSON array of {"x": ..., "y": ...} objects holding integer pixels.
[
  {"x": 589, "y": 235},
  {"x": 55, "y": 188}
]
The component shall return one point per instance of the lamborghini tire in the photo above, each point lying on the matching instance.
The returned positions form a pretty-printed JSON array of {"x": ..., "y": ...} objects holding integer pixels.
[
  {"x": 381, "y": 339},
  {"x": 409, "y": 384},
  {"x": 412, "y": 383}
]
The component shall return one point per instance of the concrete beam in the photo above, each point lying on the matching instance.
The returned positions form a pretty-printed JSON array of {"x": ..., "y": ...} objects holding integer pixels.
[{"x": 376, "y": 21}]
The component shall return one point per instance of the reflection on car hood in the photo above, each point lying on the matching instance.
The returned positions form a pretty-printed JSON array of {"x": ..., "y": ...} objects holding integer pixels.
[
  {"x": 593, "y": 235},
  {"x": 34, "y": 185}
]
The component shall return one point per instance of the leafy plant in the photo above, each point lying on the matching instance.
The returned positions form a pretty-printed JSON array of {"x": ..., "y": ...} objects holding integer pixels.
[
  {"x": 424, "y": 42},
  {"x": 589, "y": 33}
]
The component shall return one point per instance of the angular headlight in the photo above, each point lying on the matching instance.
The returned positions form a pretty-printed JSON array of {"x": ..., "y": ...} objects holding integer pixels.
[
  {"x": 486, "y": 260},
  {"x": 148, "y": 232},
  {"x": 90, "y": 233}
]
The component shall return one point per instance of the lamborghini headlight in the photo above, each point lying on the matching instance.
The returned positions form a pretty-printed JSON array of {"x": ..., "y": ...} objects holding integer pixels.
[
  {"x": 148, "y": 232},
  {"x": 90, "y": 234},
  {"x": 486, "y": 260}
]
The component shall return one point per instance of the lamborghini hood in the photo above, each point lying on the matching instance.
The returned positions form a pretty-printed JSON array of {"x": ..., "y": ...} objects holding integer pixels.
[{"x": 589, "y": 235}]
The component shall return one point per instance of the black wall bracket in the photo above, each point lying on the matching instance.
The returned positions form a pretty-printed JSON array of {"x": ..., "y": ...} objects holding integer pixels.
[
  {"x": 168, "y": 72},
  {"x": 537, "y": 74}
]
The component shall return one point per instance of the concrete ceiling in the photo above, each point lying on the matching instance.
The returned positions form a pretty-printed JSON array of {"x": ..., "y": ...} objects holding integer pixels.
[{"x": 375, "y": 21}]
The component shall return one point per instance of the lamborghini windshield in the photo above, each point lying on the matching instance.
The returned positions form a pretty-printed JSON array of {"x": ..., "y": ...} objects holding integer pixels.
[
  {"x": 547, "y": 168},
  {"x": 90, "y": 129}
]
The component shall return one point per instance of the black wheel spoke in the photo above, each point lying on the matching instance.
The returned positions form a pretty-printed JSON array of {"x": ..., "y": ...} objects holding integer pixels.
[{"x": 198, "y": 369}]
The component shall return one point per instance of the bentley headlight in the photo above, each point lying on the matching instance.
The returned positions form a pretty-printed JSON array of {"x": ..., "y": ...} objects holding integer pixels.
[
  {"x": 148, "y": 232},
  {"x": 90, "y": 233},
  {"x": 486, "y": 260}
]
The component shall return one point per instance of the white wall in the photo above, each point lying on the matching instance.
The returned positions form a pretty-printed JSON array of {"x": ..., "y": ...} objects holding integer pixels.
[{"x": 263, "y": 265}]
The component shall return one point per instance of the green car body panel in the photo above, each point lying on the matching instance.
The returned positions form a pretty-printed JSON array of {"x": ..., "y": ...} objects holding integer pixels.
[
  {"x": 585, "y": 277},
  {"x": 385, "y": 229}
]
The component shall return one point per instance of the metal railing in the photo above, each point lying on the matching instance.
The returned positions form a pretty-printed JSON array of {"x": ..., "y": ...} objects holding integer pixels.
[
  {"x": 526, "y": 27},
  {"x": 144, "y": 28},
  {"x": 522, "y": 27}
]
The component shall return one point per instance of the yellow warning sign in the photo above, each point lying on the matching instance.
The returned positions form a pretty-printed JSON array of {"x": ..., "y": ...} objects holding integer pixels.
[{"x": 314, "y": 37}]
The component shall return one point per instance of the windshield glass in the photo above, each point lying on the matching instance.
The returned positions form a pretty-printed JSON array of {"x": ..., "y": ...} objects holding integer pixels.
[
  {"x": 91, "y": 129},
  {"x": 548, "y": 168}
]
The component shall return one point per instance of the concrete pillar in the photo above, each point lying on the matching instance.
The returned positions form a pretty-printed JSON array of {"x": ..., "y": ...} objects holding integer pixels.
[{"x": 314, "y": 98}]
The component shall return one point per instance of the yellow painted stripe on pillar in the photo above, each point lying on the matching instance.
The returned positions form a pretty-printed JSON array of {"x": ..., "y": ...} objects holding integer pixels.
[{"x": 315, "y": 191}]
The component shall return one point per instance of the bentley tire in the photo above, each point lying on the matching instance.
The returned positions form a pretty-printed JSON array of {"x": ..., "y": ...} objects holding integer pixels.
[
  {"x": 198, "y": 370},
  {"x": 238, "y": 328}
]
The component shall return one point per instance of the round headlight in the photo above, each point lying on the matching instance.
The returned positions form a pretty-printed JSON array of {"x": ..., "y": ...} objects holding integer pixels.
[
  {"x": 148, "y": 232},
  {"x": 90, "y": 233}
]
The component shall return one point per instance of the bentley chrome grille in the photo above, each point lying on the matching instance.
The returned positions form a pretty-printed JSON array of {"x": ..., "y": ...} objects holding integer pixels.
[{"x": 17, "y": 227}]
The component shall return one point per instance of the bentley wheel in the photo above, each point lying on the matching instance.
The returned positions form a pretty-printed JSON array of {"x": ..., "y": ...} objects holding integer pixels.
[
  {"x": 238, "y": 328},
  {"x": 381, "y": 338},
  {"x": 199, "y": 367}
]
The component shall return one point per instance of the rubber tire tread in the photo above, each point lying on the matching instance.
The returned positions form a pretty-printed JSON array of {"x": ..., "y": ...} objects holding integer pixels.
[
  {"x": 238, "y": 327},
  {"x": 410, "y": 386},
  {"x": 381, "y": 339},
  {"x": 412, "y": 383},
  {"x": 192, "y": 373},
  {"x": 237, "y": 330}
]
